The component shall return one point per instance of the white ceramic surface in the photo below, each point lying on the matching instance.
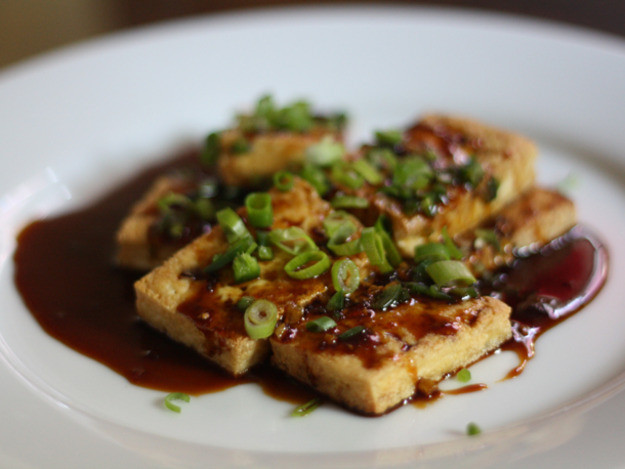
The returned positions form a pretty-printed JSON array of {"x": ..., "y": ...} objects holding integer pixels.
[{"x": 74, "y": 122}]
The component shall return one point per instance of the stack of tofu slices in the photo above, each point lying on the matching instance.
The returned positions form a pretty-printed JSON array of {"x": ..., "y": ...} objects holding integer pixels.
[{"x": 357, "y": 273}]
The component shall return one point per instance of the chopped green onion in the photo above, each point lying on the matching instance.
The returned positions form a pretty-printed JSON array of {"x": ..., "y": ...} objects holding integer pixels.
[
  {"x": 453, "y": 250},
  {"x": 175, "y": 396},
  {"x": 383, "y": 158},
  {"x": 390, "y": 296},
  {"x": 326, "y": 152},
  {"x": 316, "y": 178},
  {"x": 484, "y": 237},
  {"x": 350, "y": 333},
  {"x": 349, "y": 201},
  {"x": 245, "y": 268},
  {"x": 232, "y": 224},
  {"x": 259, "y": 209},
  {"x": 392, "y": 254},
  {"x": 345, "y": 276},
  {"x": 428, "y": 290},
  {"x": 374, "y": 248},
  {"x": 336, "y": 302},
  {"x": 321, "y": 324},
  {"x": 260, "y": 319},
  {"x": 173, "y": 199},
  {"x": 472, "y": 173},
  {"x": 343, "y": 174},
  {"x": 335, "y": 220},
  {"x": 212, "y": 149},
  {"x": 283, "y": 180},
  {"x": 473, "y": 429},
  {"x": 308, "y": 264},
  {"x": 223, "y": 259},
  {"x": 388, "y": 137},
  {"x": 338, "y": 242},
  {"x": 240, "y": 145},
  {"x": 368, "y": 172},
  {"x": 433, "y": 251},
  {"x": 307, "y": 408},
  {"x": 245, "y": 303},
  {"x": 205, "y": 208},
  {"x": 292, "y": 240},
  {"x": 492, "y": 187},
  {"x": 410, "y": 175},
  {"x": 265, "y": 253},
  {"x": 450, "y": 273},
  {"x": 464, "y": 375}
]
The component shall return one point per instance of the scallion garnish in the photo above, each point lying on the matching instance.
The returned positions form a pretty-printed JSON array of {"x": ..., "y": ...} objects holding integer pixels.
[
  {"x": 321, "y": 324},
  {"x": 212, "y": 149},
  {"x": 473, "y": 429},
  {"x": 260, "y": 319},
  {"x": 240, "y": 145},
  {"x": 245, "y": 267},
  {"x": 392, "y": 254},
  {"x": 175, "y": 396},
  {"x": 308, "y": 264},
  {"x": 472, "y": 173},
  {"x": 368, "y": 172},
  {"x": 245, "y": 302},
  {"x": 326, "y": 152},
  {"x": 335, "y": 220},
  {"x": 223, "y": 259},
  {"x": 349, "y": 201},
  {"x": 259, "y": 209},
  {"x": 232, "y": 224},
  {"x": 390, "y": 297},
  {"x": 373, "y": 246},
  {"x": 484, "y": 237},
  {"x": 450, "y": 273},
  {"x": 307, "y": 408},
  {"x": 345, "y": 276},
  {"x": 336, "y": 303},
  {"x": 292, "y": 240},
  {"x": 464, "y": 375},
  {"x": 432, "y": 251},
  {"x": 453, "y": 250},
  {"x": 283, "y": 180},
  {"x": 343, "y": 174},
  {"x": 316, "y": 178},
  {"x": 388, "y": 137},
  {"x": 338, "y": 242},
  {"x": 350, "y": 333},
  {"x": 265, "y": 253}
]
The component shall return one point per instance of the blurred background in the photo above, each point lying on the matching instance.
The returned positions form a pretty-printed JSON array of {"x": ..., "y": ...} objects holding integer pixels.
[{"x": 31, "y": 27}]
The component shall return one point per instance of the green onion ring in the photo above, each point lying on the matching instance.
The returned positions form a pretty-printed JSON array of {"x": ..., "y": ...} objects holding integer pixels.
[
  {"x": 232, "y": 224},
  {"x": 321, "y": 324},
  {"x": 368, "y": 172},
  {"x": 259, "y": 209},
  {"x": 292, "y": 240},
  {"x": 175, "y": 396},
  {"x": 260, "y": 319},
  {"x": 349, "y": 201},
  {"x": 433, "y": 251},
  {"x": 353, "y": 332},
  {"x": 245, "y": 268},
  {"x": 300, "y": 266},
  {"x": 373, "y": 247},
  {"x": 223, "y": 259},
  {"x": 345, "y": 276},
  {"x": 307, "y": 408},
  {"x": 283, "y": 181},
  {"x": 450, "y": 273}
]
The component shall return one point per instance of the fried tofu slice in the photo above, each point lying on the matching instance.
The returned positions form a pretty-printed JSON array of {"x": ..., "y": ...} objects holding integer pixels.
[
  {"x": 506, "y": 159},
  {"x": 136, "y": 248},
  {"x": 524, "y": 225},
  {"x": 268, "y": 153},
  {"x": 415, "y": 343},
  {"x": 201, "y": 312}
]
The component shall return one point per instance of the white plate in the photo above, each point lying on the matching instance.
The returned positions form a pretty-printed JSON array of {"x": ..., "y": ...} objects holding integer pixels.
[{"x": 74, "y": 122}]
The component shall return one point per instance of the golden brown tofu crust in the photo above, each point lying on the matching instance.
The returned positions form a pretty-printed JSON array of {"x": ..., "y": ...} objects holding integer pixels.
[
  {"x": 269, "y": 153},
  {"x": 421, "y": 340},
  {"x": 505, "y": 156}
]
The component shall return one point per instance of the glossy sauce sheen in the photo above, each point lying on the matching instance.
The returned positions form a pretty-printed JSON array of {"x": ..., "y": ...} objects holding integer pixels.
[{"x": 65, "y": 273}]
